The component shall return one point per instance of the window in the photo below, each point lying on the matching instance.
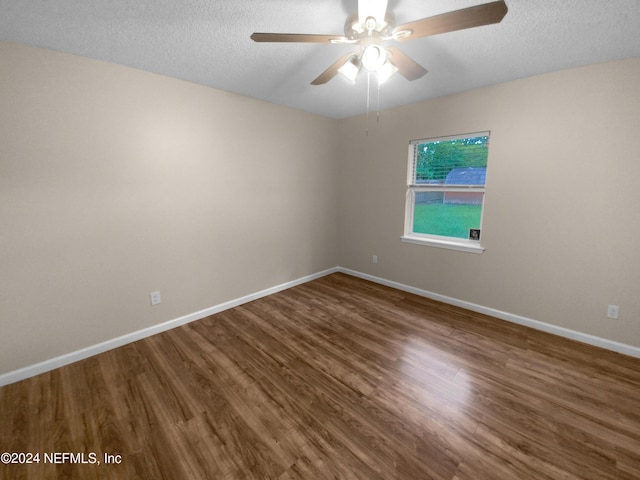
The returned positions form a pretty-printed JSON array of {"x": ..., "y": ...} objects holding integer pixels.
[{"x": 445, "y": 191}]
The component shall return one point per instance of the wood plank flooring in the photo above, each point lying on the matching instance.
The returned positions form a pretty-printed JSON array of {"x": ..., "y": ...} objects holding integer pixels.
[{"x": 338, "y": 378}]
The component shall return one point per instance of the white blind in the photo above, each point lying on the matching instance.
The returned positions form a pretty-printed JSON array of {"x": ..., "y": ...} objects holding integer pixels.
[{"x": 454, "y": 161}]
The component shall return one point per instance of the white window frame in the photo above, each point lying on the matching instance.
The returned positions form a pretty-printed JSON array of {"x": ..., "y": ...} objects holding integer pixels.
[{"x": 453, "y": 243}]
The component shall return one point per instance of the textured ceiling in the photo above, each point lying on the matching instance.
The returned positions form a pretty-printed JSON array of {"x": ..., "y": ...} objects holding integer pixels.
[{"x": 207, "y": 42}]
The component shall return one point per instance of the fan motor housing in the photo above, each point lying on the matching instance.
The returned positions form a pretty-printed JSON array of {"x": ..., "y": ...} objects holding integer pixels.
[{"x": 354, "y": 30}]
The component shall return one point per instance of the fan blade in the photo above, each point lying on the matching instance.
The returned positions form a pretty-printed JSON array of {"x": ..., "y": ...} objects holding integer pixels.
[
  {"x": 332, "y": 71},
  {"x": 298, "y": 37},
  {"x": 406, "y": 66},
  {"x": 470, "y": 17}
]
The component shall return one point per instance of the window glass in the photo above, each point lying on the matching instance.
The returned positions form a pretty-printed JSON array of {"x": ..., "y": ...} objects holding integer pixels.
[{"x": 446, "y": 186}]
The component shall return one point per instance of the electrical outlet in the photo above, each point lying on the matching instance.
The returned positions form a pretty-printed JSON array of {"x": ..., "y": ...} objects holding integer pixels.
[
  {"x": 613, "y": 311},
  {"x": 374, "y": 259},
  {"x": 155, "y": 298}
]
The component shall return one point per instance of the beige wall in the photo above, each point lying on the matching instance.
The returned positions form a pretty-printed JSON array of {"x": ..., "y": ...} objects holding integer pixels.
[
  {"x": 115, "y": 183},
  {"x": 562, "y": 209}
]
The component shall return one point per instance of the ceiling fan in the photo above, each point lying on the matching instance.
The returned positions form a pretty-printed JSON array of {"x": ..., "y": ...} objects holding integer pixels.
[{"x": 372, "y": 26}]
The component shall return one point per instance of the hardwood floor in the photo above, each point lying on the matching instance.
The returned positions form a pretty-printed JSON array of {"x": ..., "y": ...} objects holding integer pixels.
[{"x": 337, "y": 378}]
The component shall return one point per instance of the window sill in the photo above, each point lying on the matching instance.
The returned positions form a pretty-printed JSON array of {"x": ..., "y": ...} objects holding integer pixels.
[{"x": 461, "y": 244}]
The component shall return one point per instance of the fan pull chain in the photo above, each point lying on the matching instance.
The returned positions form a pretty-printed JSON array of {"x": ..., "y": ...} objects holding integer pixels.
[
  {"x": 378, "y": 101},
  {"x": 369, "y": 101},
  {"x": 366, "y": 133}
]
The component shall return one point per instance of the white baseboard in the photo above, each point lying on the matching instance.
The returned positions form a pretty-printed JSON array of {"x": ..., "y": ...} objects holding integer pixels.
[
  {"x": 509, "y": 317},
  {"x": 61, "y": 361},
  {"x": 42, "y": 367}
]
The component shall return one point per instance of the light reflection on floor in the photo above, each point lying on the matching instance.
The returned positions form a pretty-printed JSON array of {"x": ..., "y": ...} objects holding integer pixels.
[{"x": 434, "y": 379}]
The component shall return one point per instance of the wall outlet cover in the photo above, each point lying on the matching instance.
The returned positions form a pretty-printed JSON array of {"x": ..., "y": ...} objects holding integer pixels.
[{"x": 155, "y": 298}]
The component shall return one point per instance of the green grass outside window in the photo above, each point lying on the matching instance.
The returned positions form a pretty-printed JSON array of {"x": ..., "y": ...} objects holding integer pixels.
[{"x": 449, "y": 220}]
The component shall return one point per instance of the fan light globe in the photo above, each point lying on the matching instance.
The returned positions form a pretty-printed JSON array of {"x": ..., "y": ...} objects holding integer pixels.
[
  {"x": 350, "y": 70},
  {"x": 373, "y": 57},
  {"x": 385, "y": 72}
]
